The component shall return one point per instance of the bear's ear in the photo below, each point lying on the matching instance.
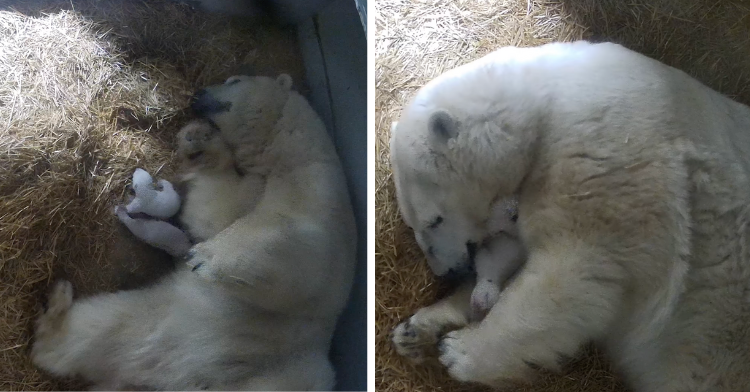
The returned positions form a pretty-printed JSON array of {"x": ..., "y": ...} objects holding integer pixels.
[
  {"x": 442, "y": 126},
  {"x": 394, "y": 124},
  {"x": 285, "y": 81}
]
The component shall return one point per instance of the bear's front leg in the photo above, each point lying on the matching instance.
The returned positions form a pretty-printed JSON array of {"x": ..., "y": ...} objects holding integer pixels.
[
  {"x": 265, "y": 255},
  {"x": 416, "y": 337},
  {"x": 220, "y": 261},
  {"x": 562, "y": 299}
]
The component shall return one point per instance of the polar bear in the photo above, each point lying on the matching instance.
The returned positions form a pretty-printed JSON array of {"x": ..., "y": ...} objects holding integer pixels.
[
  {"x": 634, "y": 208},
  {"x": 255, "y": 305}
]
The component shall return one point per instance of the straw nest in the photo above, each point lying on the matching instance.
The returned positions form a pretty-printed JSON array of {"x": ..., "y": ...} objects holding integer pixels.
[
  {"x": 417, "y": 40},
  {"x": 89, "y": 91}
]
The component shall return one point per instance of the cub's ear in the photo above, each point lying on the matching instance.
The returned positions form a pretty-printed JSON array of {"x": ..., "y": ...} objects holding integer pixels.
[
  {"x": 442, "y": 126},
  {"x": 393, "y": 126},
  {"x": 285, "y": 81}
]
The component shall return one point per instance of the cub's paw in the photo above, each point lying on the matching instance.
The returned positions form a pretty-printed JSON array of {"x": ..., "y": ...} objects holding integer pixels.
[
  {"x": 455, "y": 355},
  {"x": 483, "y": 298},
  {"x": 414, "y": 341}
]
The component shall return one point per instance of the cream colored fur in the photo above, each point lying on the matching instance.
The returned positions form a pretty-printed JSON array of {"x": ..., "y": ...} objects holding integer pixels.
[
  {"x": 254, "y": 308},
  {"x": 211, "y": 175},
  {"x": 634, "y": 208}
]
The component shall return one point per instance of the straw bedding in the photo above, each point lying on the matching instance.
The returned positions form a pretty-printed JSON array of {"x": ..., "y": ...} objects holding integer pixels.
[
  {"x": 417, "y": 40},
  {"x": 90, "y": 90}
]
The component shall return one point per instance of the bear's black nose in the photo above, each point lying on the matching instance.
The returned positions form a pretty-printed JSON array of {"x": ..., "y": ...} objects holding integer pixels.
[
  {"x": 198, "y": 94},
  {"x": 471, "y": 250},
  {"x": 457, "y": 274},
  {"x": 203, "y": 104}
]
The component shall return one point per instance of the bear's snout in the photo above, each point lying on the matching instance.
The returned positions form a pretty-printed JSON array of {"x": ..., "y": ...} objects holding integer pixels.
[
  {"x": 458, "y": 274},
  {"x": 204, "y": 104}
]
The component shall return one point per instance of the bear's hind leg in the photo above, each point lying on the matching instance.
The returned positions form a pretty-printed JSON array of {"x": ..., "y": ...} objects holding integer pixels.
[
  {"x": 306, "y": 372},
  {"x": 51, "y": 326}
]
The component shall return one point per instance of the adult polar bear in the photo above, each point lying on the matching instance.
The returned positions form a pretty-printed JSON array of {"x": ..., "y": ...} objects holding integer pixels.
[
  {"x": 634, "y": 204},
  {"x": 255, "y": 306}
]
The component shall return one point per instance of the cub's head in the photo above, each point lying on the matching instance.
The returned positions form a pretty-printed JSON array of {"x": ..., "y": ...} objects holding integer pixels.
[
  {"x": 243, "y": 104},
  {"x": 454, "y": 156}
]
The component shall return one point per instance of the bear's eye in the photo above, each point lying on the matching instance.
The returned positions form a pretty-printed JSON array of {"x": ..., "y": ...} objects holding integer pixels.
[
  {"x": 514, "y": 218},
  {"x": 436, "y": 222},
  {"x": 230, "y": 82}
]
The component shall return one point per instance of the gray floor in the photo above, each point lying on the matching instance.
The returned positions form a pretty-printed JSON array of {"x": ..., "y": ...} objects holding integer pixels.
[{"x": 334, "y": 49}]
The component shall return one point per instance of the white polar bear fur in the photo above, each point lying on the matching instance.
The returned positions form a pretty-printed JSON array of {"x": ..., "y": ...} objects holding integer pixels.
[
  {"x": 212, "y": 176},
  {"x": 256, "y": 304},
  {"x": 160, "y": 203},
  {"x": 634, "y": 204},
  {"x": 157, "y": 233},
  {"x": 497, "y": 258}
]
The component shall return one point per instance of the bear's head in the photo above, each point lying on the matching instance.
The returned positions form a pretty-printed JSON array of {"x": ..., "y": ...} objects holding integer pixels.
[
  {"x": 456, "y": 152},
  {"x": 244, "y": 105}
]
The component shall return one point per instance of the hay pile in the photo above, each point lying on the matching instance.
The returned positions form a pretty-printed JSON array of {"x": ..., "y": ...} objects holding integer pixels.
[
  {"x": 417, "y": 40},
  {"x": 89, "y": 91}
]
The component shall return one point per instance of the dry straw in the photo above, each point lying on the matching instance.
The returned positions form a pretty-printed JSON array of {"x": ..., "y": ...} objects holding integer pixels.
[
  {"x": 90, "y": 90},
  {"x": 417, "y": 40}
]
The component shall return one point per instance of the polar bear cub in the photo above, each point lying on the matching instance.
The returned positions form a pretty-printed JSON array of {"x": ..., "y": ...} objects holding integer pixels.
[
  {"x": 205, "y": 160},
  {"x": 255, "y": 304},
  {"x": 497, "y": 258}
]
